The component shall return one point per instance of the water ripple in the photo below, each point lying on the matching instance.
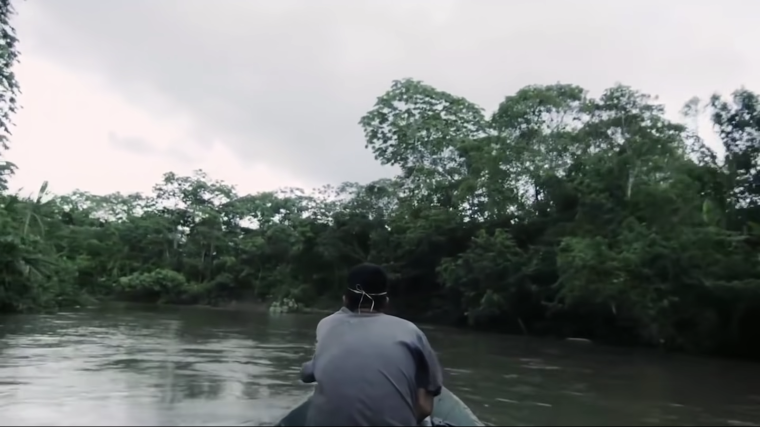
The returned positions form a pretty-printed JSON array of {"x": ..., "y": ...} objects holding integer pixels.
[
  {"x": 212, "y": 367},
  {"x": 128, "y": 371}
]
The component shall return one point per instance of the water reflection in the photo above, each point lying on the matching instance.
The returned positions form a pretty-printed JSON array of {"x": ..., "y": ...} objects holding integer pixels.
[
  {"x": 517, "y": 381},
  {"x": 181, "y": 366},
  {"x": 96, "y": 368}
]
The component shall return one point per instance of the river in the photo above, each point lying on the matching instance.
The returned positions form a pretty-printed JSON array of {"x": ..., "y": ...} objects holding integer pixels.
[{"x": 120, "y": 366}]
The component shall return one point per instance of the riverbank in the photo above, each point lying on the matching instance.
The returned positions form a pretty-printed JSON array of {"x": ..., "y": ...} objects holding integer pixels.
[
  {"x": 551, "y": 331},
  {"x": 327, "y": 307},
  {"x": 260, "y": 307},
  {"x": 245, "y": 306}
]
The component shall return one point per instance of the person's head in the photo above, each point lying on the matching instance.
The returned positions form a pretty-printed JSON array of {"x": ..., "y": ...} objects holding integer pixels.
[{"x": 367, "y": 288}]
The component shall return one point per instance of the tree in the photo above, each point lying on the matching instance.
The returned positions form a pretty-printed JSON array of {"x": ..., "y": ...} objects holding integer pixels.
[{"x": 559, "y": 214}]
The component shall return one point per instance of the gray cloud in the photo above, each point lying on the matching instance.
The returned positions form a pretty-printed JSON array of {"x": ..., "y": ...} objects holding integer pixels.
[
  {"x": 175, "y": 153},
  {"x": 131, "y": 143},
  {"x": 285, "y": 82},
  {"x": 142, "y": 146}
]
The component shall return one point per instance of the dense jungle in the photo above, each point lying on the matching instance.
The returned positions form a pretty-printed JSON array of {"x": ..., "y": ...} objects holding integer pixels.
[{"x": 561, "y": 213}]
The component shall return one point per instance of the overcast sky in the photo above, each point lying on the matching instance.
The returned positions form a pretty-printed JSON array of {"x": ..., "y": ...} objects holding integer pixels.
[{"x": 265, "y": 94}]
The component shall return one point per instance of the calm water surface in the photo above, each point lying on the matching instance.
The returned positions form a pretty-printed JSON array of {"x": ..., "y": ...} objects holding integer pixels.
[{"x": 189, "y": 366}]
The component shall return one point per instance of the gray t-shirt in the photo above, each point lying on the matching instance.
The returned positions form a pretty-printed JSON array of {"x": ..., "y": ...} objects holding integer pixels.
[{"x": 368, "y": 367}]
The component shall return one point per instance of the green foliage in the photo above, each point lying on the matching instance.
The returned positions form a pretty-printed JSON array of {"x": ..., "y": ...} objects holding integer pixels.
[
  {"x": 158, "y": 285},
  {"x": 9, "y": 88},
  {"x": 559, "y": 214}
]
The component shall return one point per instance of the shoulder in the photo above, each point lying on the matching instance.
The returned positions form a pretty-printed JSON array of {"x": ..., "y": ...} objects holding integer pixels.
[
  {"x": 404, "y": 326},
  {"x": 331, "y": 319}
]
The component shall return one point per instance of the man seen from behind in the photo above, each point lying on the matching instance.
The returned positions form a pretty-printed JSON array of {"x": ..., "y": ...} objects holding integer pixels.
[{"x": 371, "y": 369}]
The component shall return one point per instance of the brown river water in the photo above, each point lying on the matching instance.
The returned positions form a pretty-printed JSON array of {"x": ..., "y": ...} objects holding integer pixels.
[{"x": 167, "y": 366}]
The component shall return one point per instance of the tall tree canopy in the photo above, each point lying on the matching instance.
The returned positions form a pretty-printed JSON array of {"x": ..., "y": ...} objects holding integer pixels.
[{"x": 559, "y": 214}]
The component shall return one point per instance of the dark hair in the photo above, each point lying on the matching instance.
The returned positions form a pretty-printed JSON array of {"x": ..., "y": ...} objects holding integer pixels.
[{"x": 369, "y": 278}]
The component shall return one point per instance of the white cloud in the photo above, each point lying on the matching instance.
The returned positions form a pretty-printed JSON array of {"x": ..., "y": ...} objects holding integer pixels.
[
  {"x": 66, "y": 129},
  {"x": 268, "y": 94}
]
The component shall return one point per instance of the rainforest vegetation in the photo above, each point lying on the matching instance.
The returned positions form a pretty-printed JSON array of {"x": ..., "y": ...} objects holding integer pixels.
[{"x": 561, "y": 214}]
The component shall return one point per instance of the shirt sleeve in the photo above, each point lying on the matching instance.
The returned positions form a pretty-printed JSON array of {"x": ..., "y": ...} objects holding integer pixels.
[
  {"x": 429, "y": 373},
  {"x": 307, "y": 372}
]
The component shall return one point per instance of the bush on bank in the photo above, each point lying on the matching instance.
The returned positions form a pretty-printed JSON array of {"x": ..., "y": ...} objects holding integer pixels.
[{"x": 557, "y": 214}]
